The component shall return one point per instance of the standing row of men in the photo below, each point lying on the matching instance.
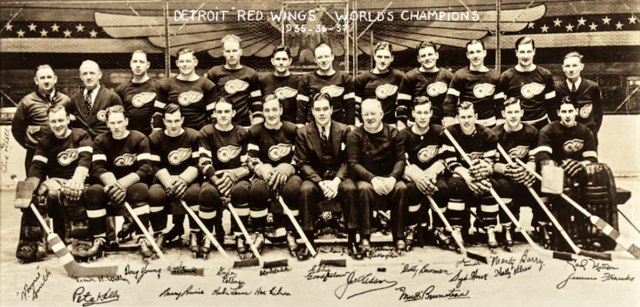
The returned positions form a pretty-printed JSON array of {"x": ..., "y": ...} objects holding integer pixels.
[{"x": 178, "y": 107}]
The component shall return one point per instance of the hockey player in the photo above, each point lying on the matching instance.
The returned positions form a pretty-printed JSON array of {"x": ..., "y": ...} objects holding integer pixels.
[
  {"x": 586, "y": 93},
  {"x": 88, "y": 107},
  {"x": 520, "y": 141},
  {"x": 197, "y": 98},
  {"x": 427, "y": 80},
  {"x": 223, "y": 155},
  {"x": 320, "y": 154},
  {"x": 377, "y": 161},
  {"x": 339, "y": 85},
  {"x": 531, "y": 84},
  {"x": 30, "y": 120},
  {"x": 139, "y": 94},
  {"x": 174, "y": 155},
  {"x": 238, "y": 84},
  {"x": 122, "y": 163},
  {"x": 471, "y": 185},
  {"x": 475, "y": 84},
  {"x": 382, "y": 82},
  {"x": 424, "y": 173},
  {"x": 282, "y": 83},
  {"x": 271, "y": 147},
  {"x": 60, "y": 166}
]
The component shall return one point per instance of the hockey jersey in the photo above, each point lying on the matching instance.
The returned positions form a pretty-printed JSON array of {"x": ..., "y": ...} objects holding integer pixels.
[
  {"x": 223, "y": 149},
  {"x": 422, "y": 150},
  {"x": 521, "y": 144},
  {"x": 59, "y": 158},
  {"x": 339, "y": 86},
  {"x": 383, "y": 87},
  {"x": 286, "y": 89},
  {"x": 122, "y": 157},
  {"x": 430, "y": 84},
  {"x": 482, "y": 144},
  {"x": 175, "y": 153},
  {"x": 271, "y": 146},
  {"x": 197, "y": 100},
  {"x": 589, "y": 100},
  {"x": 242, "y": 87},
  {"x": 535, "y": 90},
  {"x": 139, "y": 100},
  {"x": 476, "y": 87},
  {"x": 559, "y": 143},
  {"x": 380, "y": 154}
]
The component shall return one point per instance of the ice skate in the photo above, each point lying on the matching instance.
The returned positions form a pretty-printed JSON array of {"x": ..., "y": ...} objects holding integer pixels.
[
  {"x": 193, "y": 243},
  {"x": 457, "y": 233},
  {"x": 146, "y": 253},
  {"x": 85, "y": 251},
  {"x": 409, "y": 237},
  {"x": 492, "y": 243},
  {"x": 292, "y": 244},
  {"x": 508, "y": 240},
  {"x": 443, "y": 240},
  {"x": 126, "y": 233}
]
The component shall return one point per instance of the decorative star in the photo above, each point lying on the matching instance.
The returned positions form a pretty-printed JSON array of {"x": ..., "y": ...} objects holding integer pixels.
[
  {"x": 80, "y": 27},
  {"x": 544, "y": 29},
  {"x": 619, "y": 26},
  {"x": 569, "y": 28},
  {"x": 55, "y": 27},
  {"x": 20, "y": 33},
  {"x": 530, "y": 26},
  {"x": 593, "y": 26},
  {"x": 32, "y": 27},
  {"x": 93, "y": 33},
  {"x": 633, "y": 19},
  {"x": 43, "y": 33},
  {"x": 606, "y": 20},
  {"x": 67, "y": 33},
  {"x": 581, "y": 21},
  {"x": 8, "y": 26},
  {"x": 557, "y": 22}
]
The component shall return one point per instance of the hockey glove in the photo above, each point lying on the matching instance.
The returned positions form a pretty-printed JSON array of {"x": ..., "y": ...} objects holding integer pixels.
[
  {"x": 572, "y": 167},
  {"x": 480, "y": 169},
  {"x": 427, "y": 184}
]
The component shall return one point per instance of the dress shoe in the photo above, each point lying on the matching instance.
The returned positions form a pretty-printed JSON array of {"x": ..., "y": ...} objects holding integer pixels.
[
  {"x": 304, "y": 254},
  {"x": 366, "y": 247},
  {"x": 355, "y": 252}
]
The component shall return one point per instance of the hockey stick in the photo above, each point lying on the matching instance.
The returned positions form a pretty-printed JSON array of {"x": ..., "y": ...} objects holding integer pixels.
[
  {"x": 596, "y": 221},
  {"x": 73, "y": 268},
  {"x": 265, "y": 264},
  {"x": 628, "y": 220},
  {"x": 463, "y": 250},
  {"x": 540, "y": 251},
  {"x": 576, "y": 249}
]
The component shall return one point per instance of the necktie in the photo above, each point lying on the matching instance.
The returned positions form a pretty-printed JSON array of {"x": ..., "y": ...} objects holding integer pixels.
[
  {"x": 87, "y": 101},
  {"x": 324, "y": 134},
  {"x": 573, "y": 87}
]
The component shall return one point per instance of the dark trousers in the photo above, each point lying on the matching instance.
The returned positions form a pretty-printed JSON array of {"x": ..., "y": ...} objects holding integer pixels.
[
  {"x": 311, "y": 194},
  {"x": 397, "y": 200}
]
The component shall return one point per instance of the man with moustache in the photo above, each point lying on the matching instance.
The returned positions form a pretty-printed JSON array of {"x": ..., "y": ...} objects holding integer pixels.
[
  {"x": 531, "y": 84},
  {"x": 238, "y": 84},
  {"x": 476, "y": 84},
  {"x": 88, "y": 106},
  {"x": 427, "y": 80},
  {"x": 376, "y": 159},
  {"x": 58, "y": 171},
  {"x": 282, "y": 83},
  {"x": 320, "y": 154},
  {"x": 30, "y": 120},
  {"x": 339, "y": 85}
]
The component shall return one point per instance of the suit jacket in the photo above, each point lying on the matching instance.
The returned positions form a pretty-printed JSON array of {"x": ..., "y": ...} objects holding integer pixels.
[
  {"x": 310, "y": 158},
  {"x": 96, "y": 122},
  {"x": 589, "y": 99}
]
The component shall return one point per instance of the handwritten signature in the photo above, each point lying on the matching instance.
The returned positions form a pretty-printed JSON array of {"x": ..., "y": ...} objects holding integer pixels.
[
  {"x": 139, "y": 274},
  {"x": 427, "y": 294},
  {"x": 368, "y": 279},
  {"x": 87, "y": 299},
  {"x": 189, "y": 291},
  {"x": 32, "y": 290},
  {"x": 424, "y": 269}
]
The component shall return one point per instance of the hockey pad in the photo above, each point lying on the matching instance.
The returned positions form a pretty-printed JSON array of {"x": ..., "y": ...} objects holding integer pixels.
[
  {"x": 137, "y": 193},
  {"x": 75, "y": 220},
  {"x": 552, "y": 179},
  {"x": 600, "y": 198},
  {"x": 24, "y": 194}
]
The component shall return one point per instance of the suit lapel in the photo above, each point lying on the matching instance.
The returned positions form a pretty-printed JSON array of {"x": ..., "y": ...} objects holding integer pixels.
[
  {"x": 335, "y": 139},
  {"x": 314, "y": 137}
]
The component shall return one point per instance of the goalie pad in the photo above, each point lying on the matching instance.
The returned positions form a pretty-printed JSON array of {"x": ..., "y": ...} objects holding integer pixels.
[
  {"x": 75, "y": 221},
  {"x": 599, "y": 197}
]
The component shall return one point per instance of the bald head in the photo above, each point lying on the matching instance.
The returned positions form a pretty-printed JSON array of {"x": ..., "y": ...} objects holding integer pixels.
[
  {"x": 372, "y": 114},
  {"x": 90, "y": 74}
]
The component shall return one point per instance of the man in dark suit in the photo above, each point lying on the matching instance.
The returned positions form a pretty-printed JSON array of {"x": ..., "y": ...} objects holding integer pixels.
[
  {"x": 88, "y": 107},
  {"x": 320, "y": 154}
]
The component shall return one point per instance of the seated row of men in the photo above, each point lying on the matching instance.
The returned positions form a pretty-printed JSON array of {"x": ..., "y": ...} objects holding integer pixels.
[{"x": 375, "y": 166}]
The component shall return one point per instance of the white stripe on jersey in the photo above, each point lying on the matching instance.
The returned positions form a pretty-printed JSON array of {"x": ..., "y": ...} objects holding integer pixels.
[
  {"x": 41, "y": 159},
  {"x": 302, "y": 97},
  {"x": 205, "y": 152},
  {"x": 350, "y": 95},
  {"x": 544, "y": 148},
  {"x": 155, "y": 158},
  {"x": 550, "y": 95},
  {"x": 97, "y": 157},
  {"x": 358, "y": 99},
  {"x": 252, "y": 146},
  {"x": 590, "y": 153},
  {"x": 144, "y": 156},
  {"x": 453, "y": 91},
  {"x": 402, "y": 96},
  {"x": 159, "y": 104},
  {"x": 499, "y": 95},
  {"x": 256, "y": 93},
  {"x": 85, "y": 149},
  {"x": 211, "y": 106}
]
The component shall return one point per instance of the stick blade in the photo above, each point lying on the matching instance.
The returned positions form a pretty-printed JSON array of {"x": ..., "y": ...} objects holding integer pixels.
[
  {"x": 595, "y": 255},
  {"x": 477, "y": 257},
  {"x": 246, "y": 263},
  {"x": 334, "y": 262},
  {"x": 562, "y": 255},
  {"x": 275, "y": 264}
]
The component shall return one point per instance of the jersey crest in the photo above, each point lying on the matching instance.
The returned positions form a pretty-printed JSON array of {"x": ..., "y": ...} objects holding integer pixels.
[
  {"x": 102, "y": 115},
  {"x": 234, "y": 86},
  {"x": 426, "y": 154},
  {"x": 437, "y": 88},
  {"x": 189, "y": 97},
  {"x": 142, "y": 99},
  {"x": 125, "y": 160},
  {"x": 332, "y": 90},
  {"x": 483, "y": 90},
  {"x": 384, "y": 91},
  {"x": 66, "y": 157},
  {"x": 285, "y": 92},
  {"x": 585, "y": 111},
  {"x": 531, "y": 89},
  {"x": 572, "y": 146},
  {"x": 277, "y": 152},
  {"x": 179, "y": 155},
  {"x": 225, "y": 154},
  {"x": 519, "y": 152}
]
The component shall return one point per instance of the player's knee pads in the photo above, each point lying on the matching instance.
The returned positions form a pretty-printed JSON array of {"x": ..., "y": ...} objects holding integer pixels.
[
  {"x": 95, "y": 196},
  {"x": 457, "y": 187},
  {"x": 75, "y": 213},
  {"x": 191, "y": 196},
  {"x": 240, "y": 193},
  {"x": 207, "y": 194},
  {"x": 138, "y": 192},
  {"x": 504, "y": 187},
  {"x": 259, "y": 191},
  {"x": 157, "y": 196}
]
